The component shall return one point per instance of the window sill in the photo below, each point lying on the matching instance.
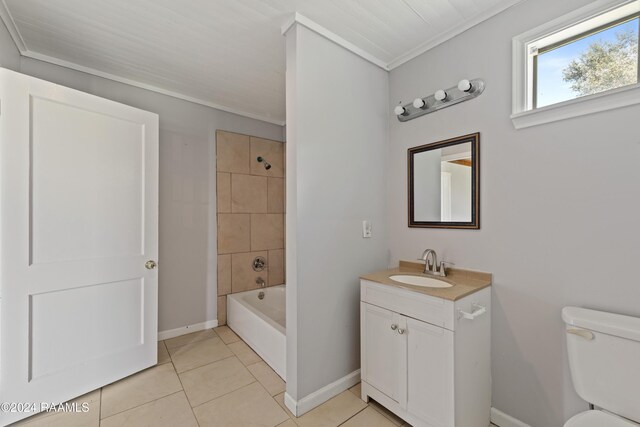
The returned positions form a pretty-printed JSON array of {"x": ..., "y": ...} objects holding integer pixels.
[{"x": 609, "y": 100}]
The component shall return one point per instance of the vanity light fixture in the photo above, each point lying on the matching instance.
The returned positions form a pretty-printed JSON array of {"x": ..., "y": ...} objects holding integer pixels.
[
  {"x": 440, "y": 95},
  {"x": 419, "y": 103},
  {"x": 443, "y": 98},
  {"x": 465, "y": 85},
  {"x": 400, "y": 111}
]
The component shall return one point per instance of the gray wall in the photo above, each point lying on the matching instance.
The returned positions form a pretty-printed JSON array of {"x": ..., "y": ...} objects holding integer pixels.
[
  {"x": 460, "y": 191},
  {"x": 337, "y": 121},
  {"x": 427, "y": 187},
  {"x": 187, "y": 262},
  {"x": 559, "y": 207},
  {"x": 9, "y": 53}
]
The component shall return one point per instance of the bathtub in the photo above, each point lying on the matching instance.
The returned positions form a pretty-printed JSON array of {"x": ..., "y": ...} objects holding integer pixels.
[{"x": 261, "y": 323}]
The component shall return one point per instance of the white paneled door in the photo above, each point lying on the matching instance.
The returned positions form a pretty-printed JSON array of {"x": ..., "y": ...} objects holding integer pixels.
[{"x": 78, "y": 242}]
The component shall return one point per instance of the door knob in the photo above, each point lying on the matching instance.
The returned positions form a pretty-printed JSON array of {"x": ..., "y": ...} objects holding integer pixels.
[{"x": 150, "y": 265}]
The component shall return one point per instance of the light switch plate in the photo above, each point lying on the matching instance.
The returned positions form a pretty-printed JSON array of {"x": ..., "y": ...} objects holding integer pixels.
[{"x": 366, "y": 229}]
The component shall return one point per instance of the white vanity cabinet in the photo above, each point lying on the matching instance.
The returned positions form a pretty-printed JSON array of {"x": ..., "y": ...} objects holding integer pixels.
[{"x": 423, "y": 359}]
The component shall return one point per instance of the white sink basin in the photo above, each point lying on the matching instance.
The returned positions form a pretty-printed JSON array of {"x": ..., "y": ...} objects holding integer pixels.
[{"x": 427, "y": 282}]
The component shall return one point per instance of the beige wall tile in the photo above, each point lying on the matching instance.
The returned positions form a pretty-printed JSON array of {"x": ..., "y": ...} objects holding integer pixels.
[
  {"x": 276, "y": 267},
  {"x": 267, "y": 377},
  {"x": 224, "y": 274},
  {"x": 234, "y": 233},
  {"x": 232, "y": 152},
  {"x": 248, "y": 193},
  {"x": 248, "y": 406},
  {"x": 267, "y": 231},
  {"x": 140, "y": 388},
  {"x": 275, "y": 192},
  {"x": 243, "y": 278},
  {"x": 169, "y": 411},
  {"x": 198, "y": 354},
  {"x": 214, "y": 380},
  {"x": 222, "y": 310},
  {"x": 272, "y": 151},
  {"x": 223, "y": 192}
]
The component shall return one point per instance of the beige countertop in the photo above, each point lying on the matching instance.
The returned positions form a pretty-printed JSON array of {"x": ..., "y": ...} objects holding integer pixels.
[{"x": 465, "y": 282}]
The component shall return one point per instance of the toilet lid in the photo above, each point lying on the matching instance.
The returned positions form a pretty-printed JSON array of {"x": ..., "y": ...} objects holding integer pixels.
[{"x": 598, "y": 419}]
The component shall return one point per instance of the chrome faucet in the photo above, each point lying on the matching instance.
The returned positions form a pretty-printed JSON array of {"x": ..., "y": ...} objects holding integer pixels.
[
  {"x": 260, "y": 282},
  {"x": 430, "y": 259},
  {"x": 430, "y": 267}
]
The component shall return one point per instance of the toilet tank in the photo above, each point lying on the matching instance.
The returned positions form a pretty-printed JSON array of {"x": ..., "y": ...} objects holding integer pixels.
[{"x": 604, "y": 357}]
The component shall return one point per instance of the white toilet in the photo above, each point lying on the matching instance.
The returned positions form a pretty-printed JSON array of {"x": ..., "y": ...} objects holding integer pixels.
[{"x": 604, "y": 356}]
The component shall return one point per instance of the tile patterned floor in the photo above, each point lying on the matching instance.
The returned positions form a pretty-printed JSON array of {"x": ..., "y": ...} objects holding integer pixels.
[{"x": 210, "y": 378}]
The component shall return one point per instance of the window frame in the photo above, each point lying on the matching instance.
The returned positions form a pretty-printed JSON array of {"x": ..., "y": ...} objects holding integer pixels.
[
  {"x": 564, "y": 42},
  {"x": 556, "y": 33}
]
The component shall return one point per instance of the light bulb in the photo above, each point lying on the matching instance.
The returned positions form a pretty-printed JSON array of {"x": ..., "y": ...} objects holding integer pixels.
[
  {"x": 419, "y": 103},
  {"x": 440, "y": 95},
  {"x": 464, "y": 85},
  {"x": 399, "y": 110}
]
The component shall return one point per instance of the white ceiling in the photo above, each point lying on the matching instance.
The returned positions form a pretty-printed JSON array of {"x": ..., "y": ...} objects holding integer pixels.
[{"x": 227, "y": 54}]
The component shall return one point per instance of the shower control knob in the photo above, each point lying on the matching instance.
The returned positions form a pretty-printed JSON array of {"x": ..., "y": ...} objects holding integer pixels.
[
  {"x": 440, "y": 95},
  {"x": 464, "y": 85}
]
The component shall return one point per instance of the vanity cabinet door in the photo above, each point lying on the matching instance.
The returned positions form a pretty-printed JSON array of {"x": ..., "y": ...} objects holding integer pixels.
[
  {"x": 383, "y": 351},
  {"x": 430, "y": 359}
]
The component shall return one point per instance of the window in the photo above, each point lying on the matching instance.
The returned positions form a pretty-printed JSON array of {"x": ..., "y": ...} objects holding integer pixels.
[
  {"x": 597, "y": 60},
  {"x": 578, "y": 64}
]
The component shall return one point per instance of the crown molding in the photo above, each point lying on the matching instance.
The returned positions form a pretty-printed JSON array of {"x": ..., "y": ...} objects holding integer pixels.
[
  {"x": 152, "y": 88},
  {"x": 453, "y": 32},
  {"x": 298, "y": 18},
  {"x": 6, "y": 17}
]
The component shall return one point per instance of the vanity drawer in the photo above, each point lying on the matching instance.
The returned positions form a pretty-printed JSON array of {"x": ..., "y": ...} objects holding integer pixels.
[{"x": 436, "y": 311}]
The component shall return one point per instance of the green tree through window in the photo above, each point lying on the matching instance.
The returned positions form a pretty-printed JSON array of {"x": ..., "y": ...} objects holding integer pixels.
[{"x": 604, "y": 65}]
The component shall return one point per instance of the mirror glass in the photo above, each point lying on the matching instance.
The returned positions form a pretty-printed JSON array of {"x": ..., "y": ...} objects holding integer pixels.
[{"x": 443, "y": 183}]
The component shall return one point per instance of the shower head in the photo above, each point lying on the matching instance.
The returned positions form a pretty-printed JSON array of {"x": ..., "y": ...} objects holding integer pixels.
[{"x": 266, "y": 164}]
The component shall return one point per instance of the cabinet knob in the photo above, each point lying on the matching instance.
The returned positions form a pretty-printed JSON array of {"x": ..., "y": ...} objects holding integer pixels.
[
  {"x": 394, "y": 327},
  {"x": 401, "y": 331}
]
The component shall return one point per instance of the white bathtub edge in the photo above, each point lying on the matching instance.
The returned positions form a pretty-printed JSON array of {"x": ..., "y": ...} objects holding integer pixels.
[
  {"x": 318, "y": 397},
  {"x": 172, "y": 333},
  {"x": 262, "y": 334}
]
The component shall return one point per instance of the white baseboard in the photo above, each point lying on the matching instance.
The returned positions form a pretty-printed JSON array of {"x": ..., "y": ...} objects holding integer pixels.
[
  {"x": 318, "y": 397},
  {"x": 172, "y": 333},
  {"x": 501, "y": 419}
]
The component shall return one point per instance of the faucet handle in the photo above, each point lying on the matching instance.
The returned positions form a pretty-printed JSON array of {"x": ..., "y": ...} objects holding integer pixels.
[
  {"x": 443, "y": 265},
  {"x": 427, "y": 263}
]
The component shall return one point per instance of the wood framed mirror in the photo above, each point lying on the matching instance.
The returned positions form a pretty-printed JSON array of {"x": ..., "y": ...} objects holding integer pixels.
[{"x": 444, "y": 183}]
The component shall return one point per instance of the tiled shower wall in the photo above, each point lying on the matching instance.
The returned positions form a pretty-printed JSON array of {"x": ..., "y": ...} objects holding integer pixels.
[{"x": 251, "y": 207}]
